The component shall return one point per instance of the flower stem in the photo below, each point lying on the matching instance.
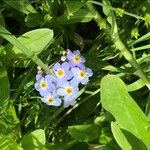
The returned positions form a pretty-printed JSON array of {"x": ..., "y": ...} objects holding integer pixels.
[{"x": 119, "y": 45}]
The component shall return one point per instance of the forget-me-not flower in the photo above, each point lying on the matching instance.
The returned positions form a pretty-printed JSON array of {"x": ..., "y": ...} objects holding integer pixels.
[
  {"x": 69, "y": 91},
  {"x": 75, "y": 58},
  {"x": 62, "y": 72},
  {"x": 81, "y": 75},
  {"x": 45, "y": 85},
  {"x": 52, "y": 99}
]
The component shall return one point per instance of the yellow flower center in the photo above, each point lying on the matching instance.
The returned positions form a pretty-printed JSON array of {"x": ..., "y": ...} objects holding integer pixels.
[
  {"x": 82, "y": 74},
  {"x": 76, "y": 59},
  {"x": 69, "y": 90},
  {"x": 60, "y": 73},
  {"x": 50, "y": 100},
  {"x": 43, "y": 84}
]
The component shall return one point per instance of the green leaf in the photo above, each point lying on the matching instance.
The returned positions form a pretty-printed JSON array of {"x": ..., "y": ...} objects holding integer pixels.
[
  {"x": 135, "y": 85},
  {"x": 73, "y": 6},
  {"x": 116, "y": 100},
  {"x": 34, "y": 20},
  {"x": 34, "y": 141},
  {"x": 4, "y": 86},
  {"x": 119, "y": 136},
  {"x": 60, "y": 146},
  {"x": 142, "y": 38},
  {"x": 7, "y": 143},
  {"x": 36, "y": 41},
  {"x": 141, "y": 48},
  {"x": 81, "y": 15},
  {"x": 28, "y": 52},
  {"x": 147, "y": 110},
  {"x": 22, "y": 6},
  {"x": 84, "y": 132}
]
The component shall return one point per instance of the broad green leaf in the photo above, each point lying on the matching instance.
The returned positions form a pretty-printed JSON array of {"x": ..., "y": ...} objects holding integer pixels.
[
  {"x": 84, "y": 132},
  {"x": 116, "y": 100},
  {"x": 21, "y": 5},
  {"x": 36, "y": 41},
  {"x": 81, "y": 15},
  {"x": 7, "y": 143},
  {"x": 119, "y": 136},
  {"x": 34, "y": 141},
  {"x": 28, "y": 52},
  {"x": 4, "y": 86},
  {"x": 73, "y": 6}
]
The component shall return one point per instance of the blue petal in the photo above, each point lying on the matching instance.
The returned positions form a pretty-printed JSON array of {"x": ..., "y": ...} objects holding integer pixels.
[
  {"x": 61, "y": 91},
  {"x": 38, "y": 77},
  {"x": 70, "y": 55},
  {"x": 85, "y": 81},
  {"x": 48, "y": 78},
  {"x": 57, "y": 102},
  {"x": 75, "y": 71},
  {"x": 65, "y": 66},
  {"x": 89, "y": 72},
  {"x": 77, "y": 52},
  {"x": 56, "y": 66},
  {"x": 37, "y": 86},
  {"x": 68, "y": 75},
  {"x": 43, "y": 92}
]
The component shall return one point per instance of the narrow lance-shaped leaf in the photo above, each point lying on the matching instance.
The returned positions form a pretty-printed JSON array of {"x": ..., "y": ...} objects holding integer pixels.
[
  {"x": 116, "y": 100},
  {"x": 119, "y": 136},
  {"x": 4, "y": 86}
]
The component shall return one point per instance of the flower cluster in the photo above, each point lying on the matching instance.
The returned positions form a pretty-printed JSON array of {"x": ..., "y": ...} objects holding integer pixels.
[{"x": 62, "y": 86}]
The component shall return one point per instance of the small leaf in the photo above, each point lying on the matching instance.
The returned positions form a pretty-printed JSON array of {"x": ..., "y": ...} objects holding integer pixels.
[
  {"x": 81, "y": 15},
  {"x": 119, "y": 136},
  {"x": 84, "y": 132},
  {"x": 119, "y": 103},
  {"x": 34, "y": 141}
]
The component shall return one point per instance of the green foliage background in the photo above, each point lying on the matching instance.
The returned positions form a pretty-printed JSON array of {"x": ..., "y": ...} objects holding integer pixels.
[{"x": 113, "y": 110}]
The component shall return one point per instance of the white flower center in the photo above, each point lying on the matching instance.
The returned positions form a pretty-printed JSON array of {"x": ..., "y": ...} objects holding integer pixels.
[
  {"x": 50, "y": 100},
  {"x": 69, "y": 90},
  {"x": 76, "y": 59},
  {"x": 43, "y": 85},
  {"x": 82, "y": 74},
  {"x": 60, "y": 73}
]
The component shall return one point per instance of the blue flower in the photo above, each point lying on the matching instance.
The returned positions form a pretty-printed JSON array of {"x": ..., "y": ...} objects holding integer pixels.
[
  {"x": 62, "y": 72},
  {"x": 38, "y": 77},
  {"x": 45, "y": 85},
  {"x": 52, "y": 99},
  {"x": 81, "y": 75},
  {"x": 69, "y": 91},
  {"x": 75, "y": 59}
]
